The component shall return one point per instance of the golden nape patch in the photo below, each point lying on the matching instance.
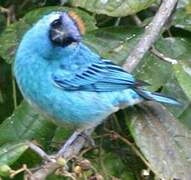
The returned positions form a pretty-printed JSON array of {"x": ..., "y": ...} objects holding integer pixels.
[{"x": 78, "y": 21}]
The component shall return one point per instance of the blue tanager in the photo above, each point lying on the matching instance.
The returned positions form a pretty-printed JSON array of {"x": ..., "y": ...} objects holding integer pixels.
[{"x": 64, "y": 79}]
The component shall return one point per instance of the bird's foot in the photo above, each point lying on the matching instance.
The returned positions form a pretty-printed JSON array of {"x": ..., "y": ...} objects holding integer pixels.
[
  {"x": 76, "y": 138},
  {"x": 89, "y": 140}
]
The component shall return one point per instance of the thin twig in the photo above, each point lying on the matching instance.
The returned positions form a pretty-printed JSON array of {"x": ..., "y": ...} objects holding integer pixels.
[
  {"x": 153, "y": 50},
  {"x": 132, "y": 145},
  {"x": 162, "y": 56},
  {"x": 10, "y": 13},
  {"x": 137, "y": 20},
  {"x": 14, "y": 93},
  {"x": 117, "y": 22},
  {"x": 44, "y": 171},
  {"x": 4, "y": 10},
  {"x": 23, "y": 169},
  {"x": 151, "y": 34},
  {"x": 40, "y": 152}
]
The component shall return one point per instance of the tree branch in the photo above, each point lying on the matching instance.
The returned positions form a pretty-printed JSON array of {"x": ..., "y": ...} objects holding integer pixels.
[
  {"x": 151, "y": 34},
  {"x": 71, "y": 148}
]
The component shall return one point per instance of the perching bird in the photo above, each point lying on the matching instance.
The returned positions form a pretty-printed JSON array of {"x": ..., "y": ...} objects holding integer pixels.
[{"x": 64, "y": 79}]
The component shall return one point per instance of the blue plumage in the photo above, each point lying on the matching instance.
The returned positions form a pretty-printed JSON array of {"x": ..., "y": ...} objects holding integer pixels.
[{"x": 65, "y": 80}]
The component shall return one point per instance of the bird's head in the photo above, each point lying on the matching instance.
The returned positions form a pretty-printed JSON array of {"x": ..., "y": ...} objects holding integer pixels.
[
  {"x": 57, "y": 30},
  {"x": 65, "y": 28}
]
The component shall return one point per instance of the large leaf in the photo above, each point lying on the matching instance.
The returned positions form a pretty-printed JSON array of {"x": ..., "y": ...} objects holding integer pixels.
[
  {"x": 164, "y": 141},
  {"x": 183, "y": 3},
  {"x": 173, "y": 88},
  {"x": 11, "y": 37},
  {"x": 113, "y": 42},
  {"x": 113, "y": 8},
  {"x": 185, "y": 116},
  {"x": 178, "y": 84},
  {"x": 26, "y": 124},
  {"x": 182, "y": 17},
  {"x": 183, "y": 74},
  {"x": 181, "y": 83},
  {"x": 10, "y": 152}
]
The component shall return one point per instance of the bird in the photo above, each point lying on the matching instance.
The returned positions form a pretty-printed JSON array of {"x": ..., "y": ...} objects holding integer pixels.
[{"x": 67, "y": 81}]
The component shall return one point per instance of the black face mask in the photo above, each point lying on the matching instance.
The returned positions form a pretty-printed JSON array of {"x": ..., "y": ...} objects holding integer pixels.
[{"x": 59, "y": 35}]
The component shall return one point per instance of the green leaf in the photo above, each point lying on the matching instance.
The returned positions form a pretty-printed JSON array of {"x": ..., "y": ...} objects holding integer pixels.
[
  {"x": 10, "y": 40},
  {"x": 26, "y": 124},
  {"x": 113, "y": 42},
  {"x": 154, "y": 71},
  {"x": 158, "y": 73},
  {"x": 184, "y": 117},
  {"x": 182, "y": 19},
  {"x": 113, "y": 8},
  {"x": 11, "y": 37},
  {"x": 182, "y": 16},
  {"x": 164, "y": 141},
  {"x": 178, "y": 83},
  {"x": 183, "y": 3},
  {"x": 106, "y": 166},
  {"x": 10, "y": 152},
  {"x": 173, "y": 88},
  {"x": 183, "y": 74}
]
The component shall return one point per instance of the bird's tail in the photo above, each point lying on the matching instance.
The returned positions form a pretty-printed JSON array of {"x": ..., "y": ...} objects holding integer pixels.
[{"x": 157, "y": 97}]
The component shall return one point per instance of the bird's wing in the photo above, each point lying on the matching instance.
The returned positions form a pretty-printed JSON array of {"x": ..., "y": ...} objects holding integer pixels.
[{"x": 102, "y": 76}]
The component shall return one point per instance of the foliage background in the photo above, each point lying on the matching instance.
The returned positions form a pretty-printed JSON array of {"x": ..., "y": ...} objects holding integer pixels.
[{"x": 159, "y": 147}]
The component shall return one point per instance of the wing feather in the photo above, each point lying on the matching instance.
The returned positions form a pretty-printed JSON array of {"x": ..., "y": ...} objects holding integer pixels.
[{"x": 102, "y": 76}]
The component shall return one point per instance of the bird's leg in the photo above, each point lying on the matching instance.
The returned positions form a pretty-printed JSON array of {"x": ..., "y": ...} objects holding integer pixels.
[
  {"x": 88, "y": 138},
  {"x": 75, "y": 141},
  {"x": 68, "y": 143}
]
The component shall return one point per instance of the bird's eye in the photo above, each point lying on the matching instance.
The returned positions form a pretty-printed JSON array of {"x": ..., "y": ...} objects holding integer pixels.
[{"x": 56, "y": 23}]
